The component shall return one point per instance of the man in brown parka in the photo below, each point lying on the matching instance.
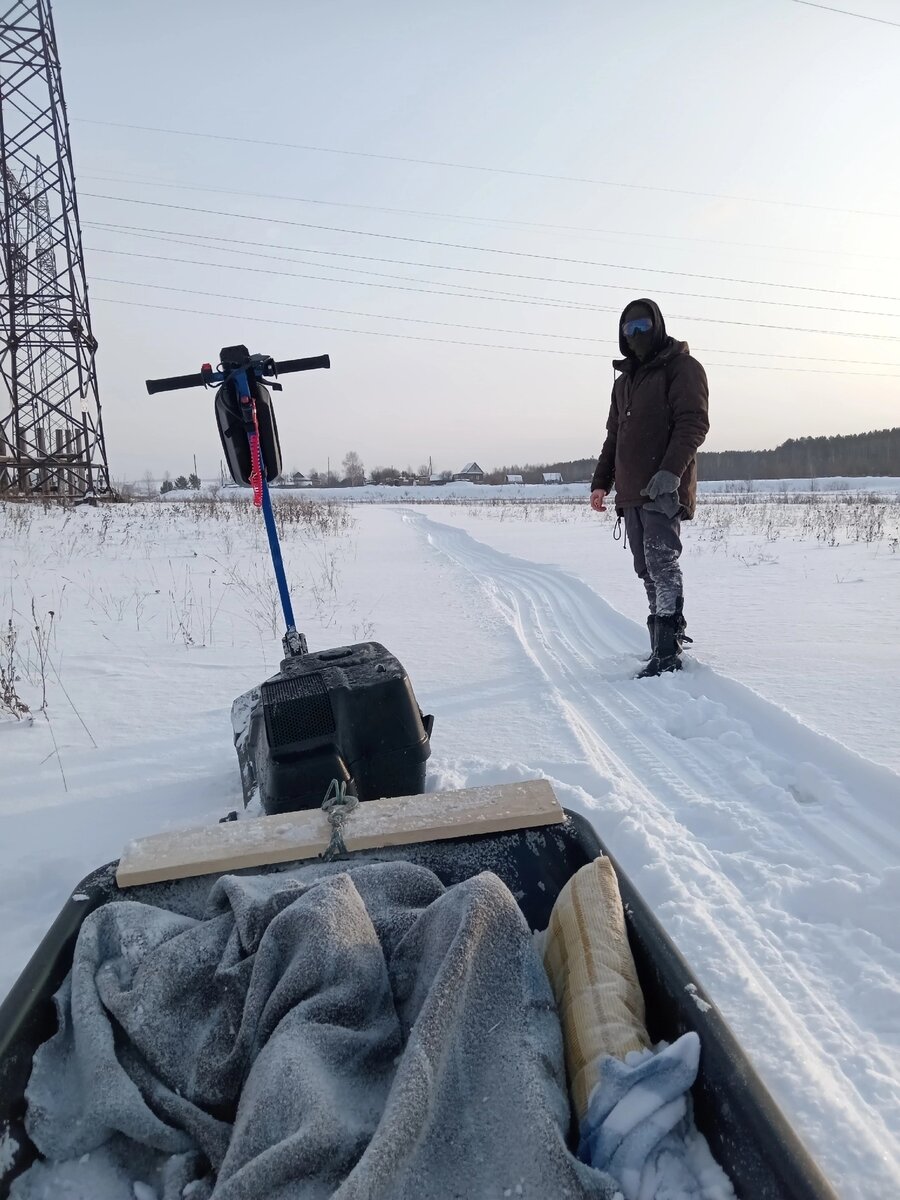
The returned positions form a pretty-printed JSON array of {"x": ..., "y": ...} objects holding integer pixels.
[{"x": 657, "y": 420}]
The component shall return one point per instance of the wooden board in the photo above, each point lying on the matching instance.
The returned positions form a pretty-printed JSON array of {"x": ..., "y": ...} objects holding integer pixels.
[{"x": 397, "y": 821}]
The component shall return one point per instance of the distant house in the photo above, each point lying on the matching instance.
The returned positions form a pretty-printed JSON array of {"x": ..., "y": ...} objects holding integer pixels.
[
  {"x": 514, "y": 479},
  {"x": 471, "y": 472},
  {"x": 293, "y": 480},
  {"x": 436, "y": 480},
  {"x": 552, "y": 477}
]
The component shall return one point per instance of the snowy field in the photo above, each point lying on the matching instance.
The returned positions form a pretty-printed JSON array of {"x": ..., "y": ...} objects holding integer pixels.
[{"x": 753, "y": 799}]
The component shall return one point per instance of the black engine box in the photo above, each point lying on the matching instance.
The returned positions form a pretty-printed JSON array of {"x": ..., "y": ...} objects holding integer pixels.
[{"x": 348, "y": 714}]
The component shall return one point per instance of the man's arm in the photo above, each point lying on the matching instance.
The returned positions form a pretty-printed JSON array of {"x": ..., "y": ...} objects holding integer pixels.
[
  {"x": 689, "y": 401},
  {"x": 605, "y": 470}
]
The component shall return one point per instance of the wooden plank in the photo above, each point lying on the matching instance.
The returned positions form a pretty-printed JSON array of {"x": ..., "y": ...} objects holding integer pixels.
[{"x": 397, "y": 821}]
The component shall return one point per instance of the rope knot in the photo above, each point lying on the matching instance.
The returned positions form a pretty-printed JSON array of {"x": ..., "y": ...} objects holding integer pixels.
[{"x": 337, "y": 806}]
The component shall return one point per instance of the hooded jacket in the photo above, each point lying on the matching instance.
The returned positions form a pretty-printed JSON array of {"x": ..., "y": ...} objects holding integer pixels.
[{"x": 658, "y": 418}]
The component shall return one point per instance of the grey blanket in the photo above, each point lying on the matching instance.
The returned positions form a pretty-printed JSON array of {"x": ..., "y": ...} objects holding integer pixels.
[{"x": 361, "y": 1034}]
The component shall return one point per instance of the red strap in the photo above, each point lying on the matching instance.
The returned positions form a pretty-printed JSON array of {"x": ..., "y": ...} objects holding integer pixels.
[{"x": 256, "y": 480}]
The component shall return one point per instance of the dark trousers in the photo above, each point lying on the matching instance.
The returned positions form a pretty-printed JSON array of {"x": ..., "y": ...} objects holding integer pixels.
[{"x": 656, "y": 546}]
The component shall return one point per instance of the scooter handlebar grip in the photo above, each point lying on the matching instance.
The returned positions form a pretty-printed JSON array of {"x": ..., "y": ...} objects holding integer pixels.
[
  {"x": 303, "y": 364},
  {"x": 174, "y": 384}
]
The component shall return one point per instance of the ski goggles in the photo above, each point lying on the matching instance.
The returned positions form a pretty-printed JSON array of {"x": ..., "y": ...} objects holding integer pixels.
[{"x": 638, "y": 325}]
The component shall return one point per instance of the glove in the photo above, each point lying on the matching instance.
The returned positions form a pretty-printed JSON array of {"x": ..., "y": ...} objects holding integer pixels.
[
  {"x": 666, "y": 503},
  {"x": 660, "y": 484}
]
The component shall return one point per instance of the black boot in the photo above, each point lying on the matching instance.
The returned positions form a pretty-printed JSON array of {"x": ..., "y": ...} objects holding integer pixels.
[
  {"x": 681, "y": 624},
  {"x": 666, "y": 647},
  {"x": 651, "y": 629}
]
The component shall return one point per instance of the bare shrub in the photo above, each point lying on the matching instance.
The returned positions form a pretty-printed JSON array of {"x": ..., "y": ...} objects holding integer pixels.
[
  {"x": 41, "y": 632},
  {"x": 327, "y": 517},
  {"x": 10, "y": 700},
  {"x": 15, "y": 519}
]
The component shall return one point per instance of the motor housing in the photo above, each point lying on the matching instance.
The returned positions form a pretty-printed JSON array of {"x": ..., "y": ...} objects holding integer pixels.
[{"x": 348, "y": 714}]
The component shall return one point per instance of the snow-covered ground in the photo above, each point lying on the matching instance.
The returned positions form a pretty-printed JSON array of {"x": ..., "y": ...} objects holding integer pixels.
[{"x": 770, "y": 851}]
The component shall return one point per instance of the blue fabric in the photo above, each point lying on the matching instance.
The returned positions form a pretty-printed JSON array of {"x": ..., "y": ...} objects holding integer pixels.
[{"x": 640, "y": 1128}]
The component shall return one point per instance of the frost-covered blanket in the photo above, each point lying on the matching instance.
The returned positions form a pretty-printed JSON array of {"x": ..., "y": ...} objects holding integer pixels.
[
  {"x": 361, "y": 1034},
  {"x": 639, "y": 1126}
]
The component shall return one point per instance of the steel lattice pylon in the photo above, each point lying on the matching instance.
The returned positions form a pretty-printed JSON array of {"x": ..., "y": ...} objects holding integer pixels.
[{"x": 51, "y": 433}]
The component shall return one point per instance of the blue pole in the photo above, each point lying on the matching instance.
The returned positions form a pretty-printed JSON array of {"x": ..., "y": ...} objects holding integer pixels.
[
  {"x": 277, "y": 561},
  {"x": 243, "y": 387}
]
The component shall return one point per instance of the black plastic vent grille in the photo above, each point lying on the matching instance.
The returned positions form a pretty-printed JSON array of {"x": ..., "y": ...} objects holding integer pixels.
[{"x": 297, "y": 709}]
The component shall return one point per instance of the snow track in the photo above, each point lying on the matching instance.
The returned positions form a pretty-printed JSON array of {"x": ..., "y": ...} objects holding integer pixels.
[{"x": 770, "y": 852}]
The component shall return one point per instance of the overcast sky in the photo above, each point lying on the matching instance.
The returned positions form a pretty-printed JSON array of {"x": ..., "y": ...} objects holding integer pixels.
[{"x": 779, "y": 118}]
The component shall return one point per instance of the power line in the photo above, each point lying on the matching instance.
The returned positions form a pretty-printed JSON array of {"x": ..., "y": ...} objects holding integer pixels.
[
  {"x": 349, "y": 312},
  {"x": 447, "y": 341},
  {"x": 622, "y": 287},
  {"x": 583, "y": 262},
  {"x": 196, "y": 242},
  {"x": 481, "y": 220},
  {"x": 640, "y": 187},
  {"x": 488, "y": 294},
  {"x": 338, "y": 329},
  {"x": 508, "y": 298},
  {"x": 845, "y": 13}
]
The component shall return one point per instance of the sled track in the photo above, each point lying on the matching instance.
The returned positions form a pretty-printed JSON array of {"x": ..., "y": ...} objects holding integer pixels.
[{"x": 735, "y": 821}]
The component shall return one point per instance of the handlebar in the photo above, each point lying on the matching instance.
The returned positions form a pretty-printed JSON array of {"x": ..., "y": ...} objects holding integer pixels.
[
  {"x": 177, "y": 382},
  {"x": 302, "y": 364},
  {"x": 174, "y": 383}
]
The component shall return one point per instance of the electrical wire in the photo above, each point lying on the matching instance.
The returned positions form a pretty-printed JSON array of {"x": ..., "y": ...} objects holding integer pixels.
[
  {"x": 445, "y": 341},
  {"x": 583, "y": 262},
  {"x": 507, "y": 297},
  {"x": 639, "y": 187},
  {"x": 338, "y": 329},
  {"x": 621, "y": 287},
  {"x": 192, "y": 242},
  {"x": 845, "y": 13},
  {"x": 469, "y": 292},
  {"x": 349, "y": 312},
  {"x": 481, "y": 220}
]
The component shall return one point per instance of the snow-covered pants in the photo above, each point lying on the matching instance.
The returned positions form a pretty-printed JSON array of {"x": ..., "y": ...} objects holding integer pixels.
[{"x": 656, "y": 545}]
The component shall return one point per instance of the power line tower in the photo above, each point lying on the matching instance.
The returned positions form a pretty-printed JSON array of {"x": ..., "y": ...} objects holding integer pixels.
[{"x": 51, "y": 437}]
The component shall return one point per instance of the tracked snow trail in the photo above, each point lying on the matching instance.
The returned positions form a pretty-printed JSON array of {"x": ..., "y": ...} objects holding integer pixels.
[{"x": 770, "y": 853}]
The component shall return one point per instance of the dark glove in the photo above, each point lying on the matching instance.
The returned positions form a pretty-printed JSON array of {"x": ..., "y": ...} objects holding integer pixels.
[
  {"x": 660, "y": 484},
  {"x": 666, "y": 503}
]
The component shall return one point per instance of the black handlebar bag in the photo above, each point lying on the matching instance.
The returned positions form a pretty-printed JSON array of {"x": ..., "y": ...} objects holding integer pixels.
[{"x": 235, "y": 445}]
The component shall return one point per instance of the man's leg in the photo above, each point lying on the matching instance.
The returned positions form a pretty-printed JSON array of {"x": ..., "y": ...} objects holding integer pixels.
[
  {"x": 662, "y": 549},
  {"x": 634, "y": 531}
]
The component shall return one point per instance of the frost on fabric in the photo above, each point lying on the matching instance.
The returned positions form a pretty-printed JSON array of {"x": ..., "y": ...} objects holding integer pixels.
[
  {"x": 8, "y": 1148},
  {"x": 315, "y": 1032},
  {"x": 639, "y": 1126}
]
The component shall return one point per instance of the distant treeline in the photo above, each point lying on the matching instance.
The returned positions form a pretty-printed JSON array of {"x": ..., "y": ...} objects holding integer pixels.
[{"x": 855, "y": 454}]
